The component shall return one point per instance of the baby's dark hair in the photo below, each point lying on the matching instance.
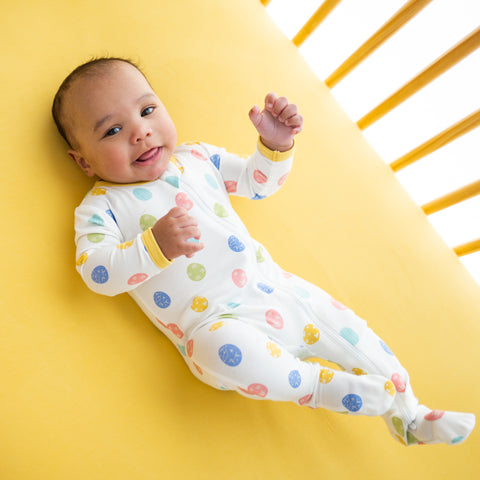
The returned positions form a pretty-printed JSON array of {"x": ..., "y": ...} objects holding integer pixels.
[{"x": 93, "y": 67}]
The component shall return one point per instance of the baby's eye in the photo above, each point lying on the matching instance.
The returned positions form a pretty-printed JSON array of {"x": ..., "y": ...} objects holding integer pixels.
[
  {"x": 112, "y": 131},
  {"x": 147, "y": 111}
]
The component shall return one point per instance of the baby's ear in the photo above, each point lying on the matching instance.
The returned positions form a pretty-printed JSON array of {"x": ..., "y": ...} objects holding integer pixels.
[{"x": 81, "y": 162}]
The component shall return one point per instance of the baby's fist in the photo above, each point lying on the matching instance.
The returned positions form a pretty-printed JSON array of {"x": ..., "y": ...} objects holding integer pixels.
[{"x": 177, "y": 234}]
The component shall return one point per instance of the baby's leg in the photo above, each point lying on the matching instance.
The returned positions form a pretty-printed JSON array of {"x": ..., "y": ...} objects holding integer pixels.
[
  {"x": 346, "y": 339},
  {"x": 234, "y": 355}
]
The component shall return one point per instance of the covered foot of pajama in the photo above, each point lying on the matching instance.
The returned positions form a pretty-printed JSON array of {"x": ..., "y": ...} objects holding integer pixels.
[{"x": 431, "y": 426}]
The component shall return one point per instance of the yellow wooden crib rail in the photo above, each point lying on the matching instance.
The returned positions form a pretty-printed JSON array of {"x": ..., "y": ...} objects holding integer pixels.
[{"x": 442, "y": 64}]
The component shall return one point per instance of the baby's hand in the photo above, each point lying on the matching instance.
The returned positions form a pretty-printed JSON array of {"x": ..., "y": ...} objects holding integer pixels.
[
  {"x": 278, "y": 123},
  {"x": 175, "y": 232}
]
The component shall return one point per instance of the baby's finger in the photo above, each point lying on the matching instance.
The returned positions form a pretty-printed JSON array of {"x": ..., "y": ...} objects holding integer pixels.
[
  {"x": 288, "y": 112},
  {"x": 279, "y": 105},
  {"x": 270, "y": 100},
  {"x": 295, "y": 121}
]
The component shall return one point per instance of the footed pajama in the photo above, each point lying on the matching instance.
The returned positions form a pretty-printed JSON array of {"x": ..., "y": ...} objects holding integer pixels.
[{"x": 241, "y": 322}]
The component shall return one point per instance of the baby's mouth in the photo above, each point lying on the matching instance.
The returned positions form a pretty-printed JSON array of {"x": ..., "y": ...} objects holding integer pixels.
[{"x": 149, "y": 156}]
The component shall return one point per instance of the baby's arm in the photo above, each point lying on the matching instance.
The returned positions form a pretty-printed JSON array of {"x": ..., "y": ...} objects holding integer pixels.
[{"x": 278, "y": 123}]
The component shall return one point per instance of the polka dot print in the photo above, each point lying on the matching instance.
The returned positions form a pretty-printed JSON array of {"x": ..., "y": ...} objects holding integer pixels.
[
  {"x": 294, "y": 379},
  {"x": 147, "y": 221},
  {"x": 215, "y": 159},
  {"x": 239, "y": 278},
  {"x": 349, "y": 335},
  {"x": 385, "y": 347},
  {"x": 95, "y": 237},
  {"x": 274, "y": 319},
  {"x": 100, "y": 274},
  {"x": 196, "y": 272},
  {"x": 183, "y": 201},
  {"x": 352, "y": 402},
  {"x": 257, "y": 389},
  {"x": 230, "y": 355},
  {"x": 142, "y": 194},
  {"x": 161, "y": 299},
  {"x": 265, "y": 288},
  {"x": 235, "y": 244},
  {"x": 137, "y": 278},
  {"x": 96, "y": 220}
]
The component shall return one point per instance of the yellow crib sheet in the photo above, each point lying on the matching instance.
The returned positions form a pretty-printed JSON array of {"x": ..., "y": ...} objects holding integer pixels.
[{"x": 89, "y": 388}]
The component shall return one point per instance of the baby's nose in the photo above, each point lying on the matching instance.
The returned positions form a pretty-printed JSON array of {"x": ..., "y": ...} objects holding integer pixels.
[{"x": 140, "y": 133}]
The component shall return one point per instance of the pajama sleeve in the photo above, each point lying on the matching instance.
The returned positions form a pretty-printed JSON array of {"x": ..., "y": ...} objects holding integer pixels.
[
  {"x": 256, "y": 177},
  {"x": 108, "y": 263}
]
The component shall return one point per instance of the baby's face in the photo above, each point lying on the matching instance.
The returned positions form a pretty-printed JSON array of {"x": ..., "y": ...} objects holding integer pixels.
[{"x": 122, "y": 131}]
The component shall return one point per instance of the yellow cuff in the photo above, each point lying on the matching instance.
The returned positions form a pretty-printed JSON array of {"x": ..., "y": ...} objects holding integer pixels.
[
  {"x": 154, "y": 250},
  {"x": 274, "y": 155}
]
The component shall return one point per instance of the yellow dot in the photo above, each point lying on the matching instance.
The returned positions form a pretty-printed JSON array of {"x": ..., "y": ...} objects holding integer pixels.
[
  {"x": 216, "y": 326},
  {"x": 82, "y": 259},
  {"x": 359, "y": 371},
  {"x": 199, "y": 304},
  {"x": 125, "y": 245},
  {"x": 326, "y": 375},
  {"x": 273, "y": 349},
  {"x": 390, "y": 388},
  {"x": 311, "y": 334},
  {"x": 99, "y": 191}
]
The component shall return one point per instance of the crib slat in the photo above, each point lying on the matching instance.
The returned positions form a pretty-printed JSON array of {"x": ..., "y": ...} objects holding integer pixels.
[
  {"x": 401, "y": 17},
  {"x": 457, "y": 130},
  {"x": 314, "y": 21},
  {"x": 467, "y": 248},
  {"x": 466, "y": 46},
  {"x": 460, "y": 195}
]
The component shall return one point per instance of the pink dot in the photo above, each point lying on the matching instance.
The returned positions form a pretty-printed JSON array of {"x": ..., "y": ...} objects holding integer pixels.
[
  {"x": 305, "y": 399},
  {"x": 259, "y": 176},
  {"x": 399, "y": 382},
  {"x": 274, "y": 319},
  {"x": 231, "y": 186},
  {"x": 434, "y": 415},
  {"x": 190, "y": 348},
  {"x": 256, "y": 389},
  {"x": 282, "y": 179},
  {"x": 337, "y": 304},
  {"x": 182, "y": 200},
  {"x": 239, "y": 278},
  {"x": 199, "y": 155},
  {"x": 137, "y": 278}
]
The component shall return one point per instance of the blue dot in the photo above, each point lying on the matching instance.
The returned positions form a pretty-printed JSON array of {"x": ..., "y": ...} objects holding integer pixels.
[
  {"x": 182, "y": 350},
  {"x": 457, "y": 440},
  {"x": 173, "y": 180},
  {"x": 100, "y": 274},
  {"x": 211, "y": 181},
  {"x": 215, "y": 159},
  {"x": 161, "y": 299},
  {"x": 142, "y": 193},
  {"x": 385, "y": 347},
  {"x": 349, "y": 335},
  {"x": 259, "y": 197},
  {"x": 301, "y": 292},
  {"x": 352, "y": 402},
  {"x": 235, "y": 244},
  {"x": 96, "y": 220},
  {"x": 230, "y": 355},
  {"x": 110, "y": 213},
  {"x": 294, "y": 378},
  {"x": 233, "y": 305},
  {"x": 265, "y": 288}
]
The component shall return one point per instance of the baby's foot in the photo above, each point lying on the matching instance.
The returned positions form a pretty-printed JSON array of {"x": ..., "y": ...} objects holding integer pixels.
[
  {"x": 431, "y": 426},
  {"x": 438, "y": 426}
]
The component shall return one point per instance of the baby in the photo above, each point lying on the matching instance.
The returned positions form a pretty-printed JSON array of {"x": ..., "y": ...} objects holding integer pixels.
[{"x": 159, "y": 225}]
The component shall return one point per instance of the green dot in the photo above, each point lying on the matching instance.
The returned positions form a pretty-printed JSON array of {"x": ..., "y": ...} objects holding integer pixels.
[
  {"x": 220, "y": 210},
  {"x": 147, "y": 221},
  {"x": 260, "y": 257},
  {"x": 196, "y": 272},
  {"x": 398, "y": 425},
  {"x": 95, "y": 237}
]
